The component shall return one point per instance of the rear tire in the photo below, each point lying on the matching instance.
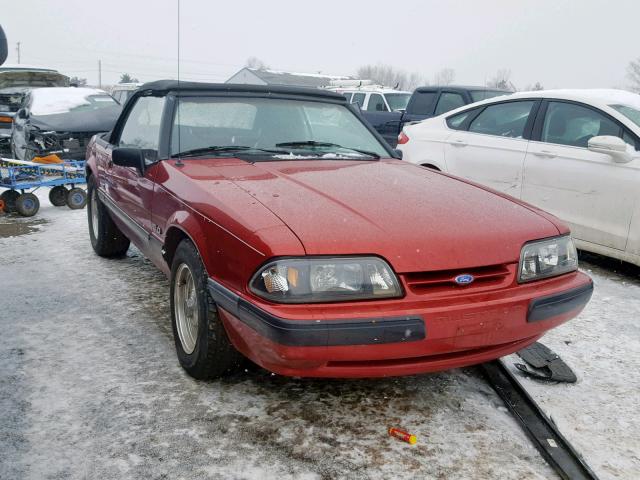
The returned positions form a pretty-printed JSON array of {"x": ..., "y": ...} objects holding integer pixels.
[
  {"x": 27, "y": 205},
  {"x": 76, "y": 199},
  {"x": 202, "y": 344},
  {"x": 58, "y": 196},
  {"x": 9, "y": 197},
  {"x": 106, "y": 238}
]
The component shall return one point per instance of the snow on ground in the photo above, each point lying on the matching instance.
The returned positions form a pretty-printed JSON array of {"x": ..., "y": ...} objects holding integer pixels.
[
  {"x": 600, "y": 414},
  {"x": 90, "y": 387}
]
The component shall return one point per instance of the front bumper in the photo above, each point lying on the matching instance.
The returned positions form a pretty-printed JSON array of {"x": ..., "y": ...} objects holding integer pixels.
[{"x": 418, "y": 339}]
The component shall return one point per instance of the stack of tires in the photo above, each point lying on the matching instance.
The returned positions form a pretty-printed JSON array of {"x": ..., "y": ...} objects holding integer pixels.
[{"x": 27, "y": 204}]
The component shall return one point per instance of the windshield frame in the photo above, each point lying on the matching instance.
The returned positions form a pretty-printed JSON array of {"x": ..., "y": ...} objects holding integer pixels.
[{"x": 171, "y": 109}]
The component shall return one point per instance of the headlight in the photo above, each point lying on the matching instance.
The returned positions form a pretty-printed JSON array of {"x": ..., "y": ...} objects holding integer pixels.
[
  {"x": 45, "y": 141},
  {"x": 547, "y": 258},
  {"x": 323, "y": 279}
]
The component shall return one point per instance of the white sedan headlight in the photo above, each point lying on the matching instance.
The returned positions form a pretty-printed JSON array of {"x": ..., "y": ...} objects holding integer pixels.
[
  {"x": 325, "y": 279},
  {"x": 547, "y": 258}
]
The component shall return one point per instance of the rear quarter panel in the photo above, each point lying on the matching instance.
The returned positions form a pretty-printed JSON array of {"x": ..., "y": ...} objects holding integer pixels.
[{"x": 426, "y": 144}]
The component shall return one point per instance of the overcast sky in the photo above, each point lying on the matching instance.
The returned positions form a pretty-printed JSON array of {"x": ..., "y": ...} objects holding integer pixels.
[{"x": 581, "y": 43}]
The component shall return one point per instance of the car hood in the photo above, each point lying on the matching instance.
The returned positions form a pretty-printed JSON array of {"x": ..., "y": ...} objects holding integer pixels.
[
  {"x": 417, "y": 219},
  {"x": 101, "y": 120}
]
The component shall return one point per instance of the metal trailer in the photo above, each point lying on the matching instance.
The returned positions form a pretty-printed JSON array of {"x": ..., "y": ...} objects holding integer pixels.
[{"x": 22, "y": 178}]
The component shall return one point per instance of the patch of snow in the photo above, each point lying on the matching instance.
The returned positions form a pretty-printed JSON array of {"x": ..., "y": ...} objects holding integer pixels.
[
  {"x": 600, "y": 414},
  {"x": 55, "y": 100},
  {"x": 340, "y": 156}
]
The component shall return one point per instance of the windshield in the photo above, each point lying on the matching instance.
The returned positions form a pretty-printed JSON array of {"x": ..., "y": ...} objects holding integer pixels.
[
  {"x": 629, "y": 112},
  {"x": 477, "y": 95},
  {"x": 293, "y": 128},
  {"x": 398, "y": 101},
  {"x": 53, "y": 101}
]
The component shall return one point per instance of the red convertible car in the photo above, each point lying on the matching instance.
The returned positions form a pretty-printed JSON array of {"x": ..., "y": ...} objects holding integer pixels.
[{"x": 294, "y": 236}]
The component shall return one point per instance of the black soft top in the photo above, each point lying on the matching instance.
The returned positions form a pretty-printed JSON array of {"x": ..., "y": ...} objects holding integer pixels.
[{"x": 165, "y": 86}]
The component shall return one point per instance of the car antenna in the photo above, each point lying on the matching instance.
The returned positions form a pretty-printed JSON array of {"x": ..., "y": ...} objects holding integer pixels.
[{"x": 179, "y": 162}]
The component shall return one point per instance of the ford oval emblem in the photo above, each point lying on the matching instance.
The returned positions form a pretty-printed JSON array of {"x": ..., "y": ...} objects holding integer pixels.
[{"x": 464, "y": 279}]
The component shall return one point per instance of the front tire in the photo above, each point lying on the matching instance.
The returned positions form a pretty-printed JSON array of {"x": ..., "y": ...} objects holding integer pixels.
[
  {"x": 27, "y": 205},
  {"x": 106, "y": 238},
  {"x": 202, "y": 344}
]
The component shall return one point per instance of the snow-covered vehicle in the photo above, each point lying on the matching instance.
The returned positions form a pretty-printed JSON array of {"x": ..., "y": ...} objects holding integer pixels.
[
  {"x": 61, "y": 121},
  {"x": 15, "y": 82},
  {"x": 573, "y": 153}
]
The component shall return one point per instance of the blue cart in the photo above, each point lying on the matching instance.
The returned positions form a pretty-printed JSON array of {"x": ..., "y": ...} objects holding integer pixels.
[{"x": 22, "y": 178}]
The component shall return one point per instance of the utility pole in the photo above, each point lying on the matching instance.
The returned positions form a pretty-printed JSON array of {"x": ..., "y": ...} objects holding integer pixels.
[
  {"x": 18, "y": 51},
  {"x": 99, "y": 73}
]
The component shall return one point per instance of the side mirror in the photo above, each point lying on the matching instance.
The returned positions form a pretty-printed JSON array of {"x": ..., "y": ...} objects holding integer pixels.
[
  {"x": 128, "y": 157},
  {"x": 612, "y": 146},
  {"x": 397, "y": 153},
  {"x": 22, "y": 114},
  {"x": 3, "y": 46}
]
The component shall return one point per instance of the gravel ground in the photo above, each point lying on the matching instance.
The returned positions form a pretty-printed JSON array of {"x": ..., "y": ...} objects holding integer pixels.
[{"x": 90, "y": 387}]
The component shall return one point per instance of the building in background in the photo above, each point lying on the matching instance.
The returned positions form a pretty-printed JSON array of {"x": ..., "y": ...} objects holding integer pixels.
[{"x": 255, "y": 76}]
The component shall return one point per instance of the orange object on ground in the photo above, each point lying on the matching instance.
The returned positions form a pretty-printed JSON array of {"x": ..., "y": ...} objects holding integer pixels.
[
  {"x": 53, "y": 158},
  {"x": 402, "y": 435}
]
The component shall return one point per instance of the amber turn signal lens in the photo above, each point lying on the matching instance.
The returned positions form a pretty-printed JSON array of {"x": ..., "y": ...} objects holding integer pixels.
[{"x": 5, "y": 119}]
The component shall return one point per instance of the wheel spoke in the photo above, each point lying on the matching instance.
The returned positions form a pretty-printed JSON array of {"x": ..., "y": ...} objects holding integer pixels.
[{"x": 186, "y": 308}]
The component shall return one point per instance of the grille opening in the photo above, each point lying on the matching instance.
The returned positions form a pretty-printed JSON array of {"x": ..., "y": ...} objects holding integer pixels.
[{"x": 444, "y": 280}]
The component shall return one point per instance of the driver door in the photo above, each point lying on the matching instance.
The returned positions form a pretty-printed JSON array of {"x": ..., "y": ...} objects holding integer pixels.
[{"x": 131, "y": 191}]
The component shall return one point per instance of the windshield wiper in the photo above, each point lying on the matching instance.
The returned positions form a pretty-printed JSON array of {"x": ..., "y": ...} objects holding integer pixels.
[
  {"x": 194, "y": 152},
  {"x": 313, "y": 143}
]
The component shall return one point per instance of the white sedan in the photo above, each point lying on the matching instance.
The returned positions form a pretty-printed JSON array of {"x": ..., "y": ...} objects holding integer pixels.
[{"x": 574, "y": 153}]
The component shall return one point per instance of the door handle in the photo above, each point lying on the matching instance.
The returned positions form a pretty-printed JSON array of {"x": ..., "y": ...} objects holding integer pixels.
[
  {"x": 459, "y": 143},
  {"x": 545, "y": 153}
]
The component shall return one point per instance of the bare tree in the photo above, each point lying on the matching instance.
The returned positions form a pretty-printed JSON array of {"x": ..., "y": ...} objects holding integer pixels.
[
  {"x": 256, "y": 64},
  {"x": 415, "y": 80},
  {"x": 633, "y": 74},
  {"x": 534, "y": 87},
  {"x": 502, "y": 80},
  {"x": 390, "y": 76},
  {"x": 446, "y": 76}
]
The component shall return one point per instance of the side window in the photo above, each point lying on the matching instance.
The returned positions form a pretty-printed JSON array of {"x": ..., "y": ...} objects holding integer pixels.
[
  {"x": 503, "y": 119},
  {"x": 142, "y": 127},
  {"x": 456, "y": 121},
  {"x": 449, "y": 101},
  {"x": 376, "y": 103},
  {"x": 422, "y": 103},
  {"x": 630, "y": 139},
  {"x": 574, "y": 125},
  {"x": 359, "y": 99}
]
